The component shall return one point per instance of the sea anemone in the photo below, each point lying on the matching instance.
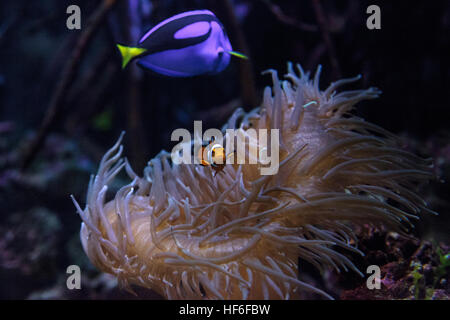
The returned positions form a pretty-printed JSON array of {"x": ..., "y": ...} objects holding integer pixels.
[{"x": 187, "y": 234}]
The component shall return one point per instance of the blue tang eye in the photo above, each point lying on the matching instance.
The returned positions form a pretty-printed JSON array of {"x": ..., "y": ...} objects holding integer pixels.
[{"x": 188, "y": 44}]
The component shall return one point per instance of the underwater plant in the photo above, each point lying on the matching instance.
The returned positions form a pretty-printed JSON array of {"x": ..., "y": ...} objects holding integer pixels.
[{"x": 186, "y": 234}]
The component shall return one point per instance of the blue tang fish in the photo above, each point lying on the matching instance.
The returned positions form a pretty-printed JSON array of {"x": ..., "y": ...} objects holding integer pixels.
[{"x": 188, "y": 44}]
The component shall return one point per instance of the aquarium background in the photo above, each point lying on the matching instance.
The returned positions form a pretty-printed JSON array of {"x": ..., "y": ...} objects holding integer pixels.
[{"x": 63, "y": 92}]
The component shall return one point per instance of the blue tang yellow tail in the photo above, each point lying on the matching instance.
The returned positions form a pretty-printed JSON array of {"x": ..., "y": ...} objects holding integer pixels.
[{"x": 188, "y": 44}]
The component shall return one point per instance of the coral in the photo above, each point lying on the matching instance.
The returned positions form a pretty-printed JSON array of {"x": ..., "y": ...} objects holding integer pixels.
[
  {"x": 410, "y": 268},
  {"x": 186, "y": 234}
]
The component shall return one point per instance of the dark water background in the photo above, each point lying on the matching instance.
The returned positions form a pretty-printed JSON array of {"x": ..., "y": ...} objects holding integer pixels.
[{"x": 408, "y": 59}]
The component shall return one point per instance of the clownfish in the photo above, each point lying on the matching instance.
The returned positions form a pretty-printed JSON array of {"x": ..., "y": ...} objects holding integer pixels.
[
  {"x": 188, "y": 44},
  {"x": 213, "y": 155}
]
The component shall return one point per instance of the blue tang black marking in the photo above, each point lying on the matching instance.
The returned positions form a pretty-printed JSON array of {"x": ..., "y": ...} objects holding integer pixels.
[{"x": 188, "y": 44}]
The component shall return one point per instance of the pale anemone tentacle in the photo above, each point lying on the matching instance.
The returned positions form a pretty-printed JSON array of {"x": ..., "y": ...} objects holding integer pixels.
[{"x": 188, "y": 234}]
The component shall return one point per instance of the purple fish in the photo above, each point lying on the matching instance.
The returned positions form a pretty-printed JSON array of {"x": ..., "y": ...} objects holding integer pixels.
[{"x": 188, "y": 44}]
